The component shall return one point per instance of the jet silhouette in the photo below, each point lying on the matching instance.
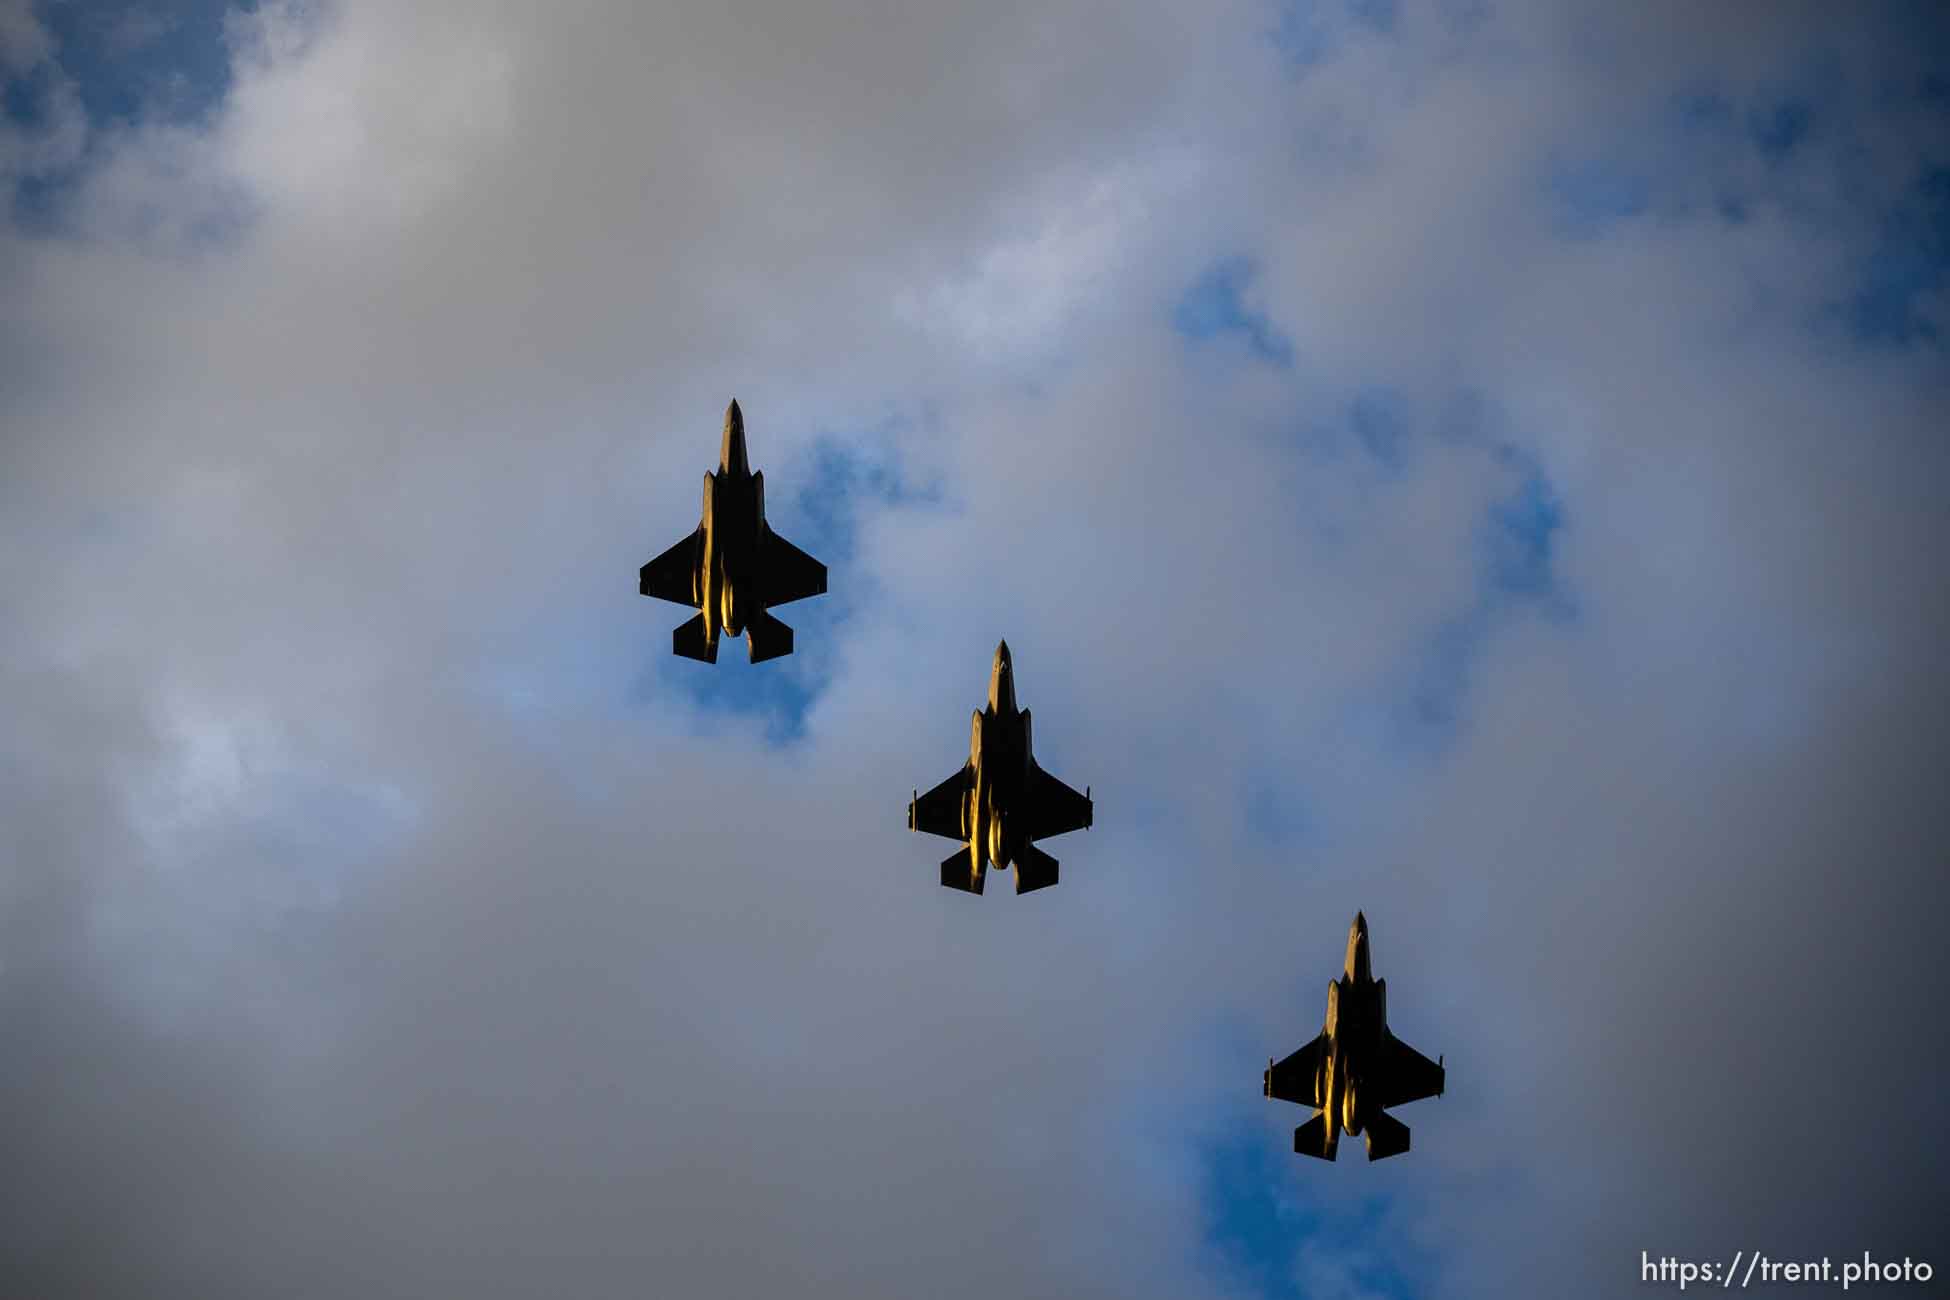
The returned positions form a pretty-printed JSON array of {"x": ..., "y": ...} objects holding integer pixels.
[
  {"x": 1000, "y": 800},
  {"x": 1356, "y": 1067},
  {"x": 734, "y": 568}
]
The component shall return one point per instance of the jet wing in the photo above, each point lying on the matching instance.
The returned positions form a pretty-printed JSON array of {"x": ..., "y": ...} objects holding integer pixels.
[
  {"x": 789, "y": 574},
  {"x": 1406, "y": 1075},
  {"x": 1293, "y": 1079},
  {"x": 672, "y": 575},
  {"x": 939, "y": 811},
  {"x": 1052, "y": 807}
]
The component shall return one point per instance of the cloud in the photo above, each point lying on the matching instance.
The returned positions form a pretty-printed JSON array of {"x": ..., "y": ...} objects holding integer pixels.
[
  {"x": 24, "y": 42},
  {"x": 385, "y": 911}
]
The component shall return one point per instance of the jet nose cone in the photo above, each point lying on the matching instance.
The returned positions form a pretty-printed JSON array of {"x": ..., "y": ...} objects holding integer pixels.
[
  {"x": 1360, "y": 924},
  {"x": 732, "y": 457},
  {"x": 1002, "y": 652}
]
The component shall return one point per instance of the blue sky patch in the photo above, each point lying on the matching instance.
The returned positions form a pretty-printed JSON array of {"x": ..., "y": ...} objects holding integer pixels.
[
  {"x": 1379, "y": 417},
  {"x": 1252, "y": 1228},
  {"x": 1301, "y": 35},
  {"x": 1430, "y": 710},
  {"x": 1377, "y": 15},
  {"x": 779, "y": 691},
  {"x": 1308, "y": 33},
  {"x": 576, "y": 664},
  {"x": 1779, "y": 130},
  {"x": 1520, "y": 535},
  {"x": 1648, "y": 165},
  {"x": 1702, "y": 109},
  {"x": 1906, "y": 256},
  {"x": 24, "y": 101},
  {"x": 842, "y": 476},
  {"x": 124, "y": 66},
  {"x": 162, "y": 61},
  {"x": 1262, "y": 1230},
  {"x": 1590, "y": 197},
  {"x": 1517, "y": 540},
  {"x": 1910, "y": 260},
  {"x": 1273, "y": 813},
  {"x": 1214, "y": 307}
]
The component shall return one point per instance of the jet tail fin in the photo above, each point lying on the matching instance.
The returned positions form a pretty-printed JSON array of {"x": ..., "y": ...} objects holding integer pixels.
[
  {"x": 691, "y": 641},
  {"x": 768, "y": 638},
  {"x": 1035, "y": 869},
  {"x": 1311, "y": 1139},
  {"x": 958, "y": 873},
  {"x": 1387, "y": 1136}
]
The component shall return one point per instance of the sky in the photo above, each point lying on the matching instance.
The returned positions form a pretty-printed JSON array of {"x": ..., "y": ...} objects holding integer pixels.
[{"x": 1477, "y": 462}]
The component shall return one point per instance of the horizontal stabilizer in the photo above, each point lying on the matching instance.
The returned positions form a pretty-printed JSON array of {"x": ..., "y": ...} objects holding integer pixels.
[
  {"x": 1311, "y": 1139},
  {"x": 768, "y": 638},
  {"x": 1035, "y": 869},
  {"x": 1387, "y": 1136},
  {"x": 690, "y": 640},
  {"x": 957, "y": 873}
]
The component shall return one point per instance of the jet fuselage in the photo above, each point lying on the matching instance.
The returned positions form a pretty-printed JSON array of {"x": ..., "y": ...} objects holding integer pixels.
[
  {"x": 999, "y": 754},
  {"x": 734, "y": 514},
  {"x": 1356, "y": 1027}
]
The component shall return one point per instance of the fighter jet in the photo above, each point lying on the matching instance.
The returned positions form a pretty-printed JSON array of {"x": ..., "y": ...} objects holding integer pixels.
[
  {"x": 1000, "y": 800},
  {"x": 734, "y": 568},
  {"x": 1356, "y": 1067}
]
